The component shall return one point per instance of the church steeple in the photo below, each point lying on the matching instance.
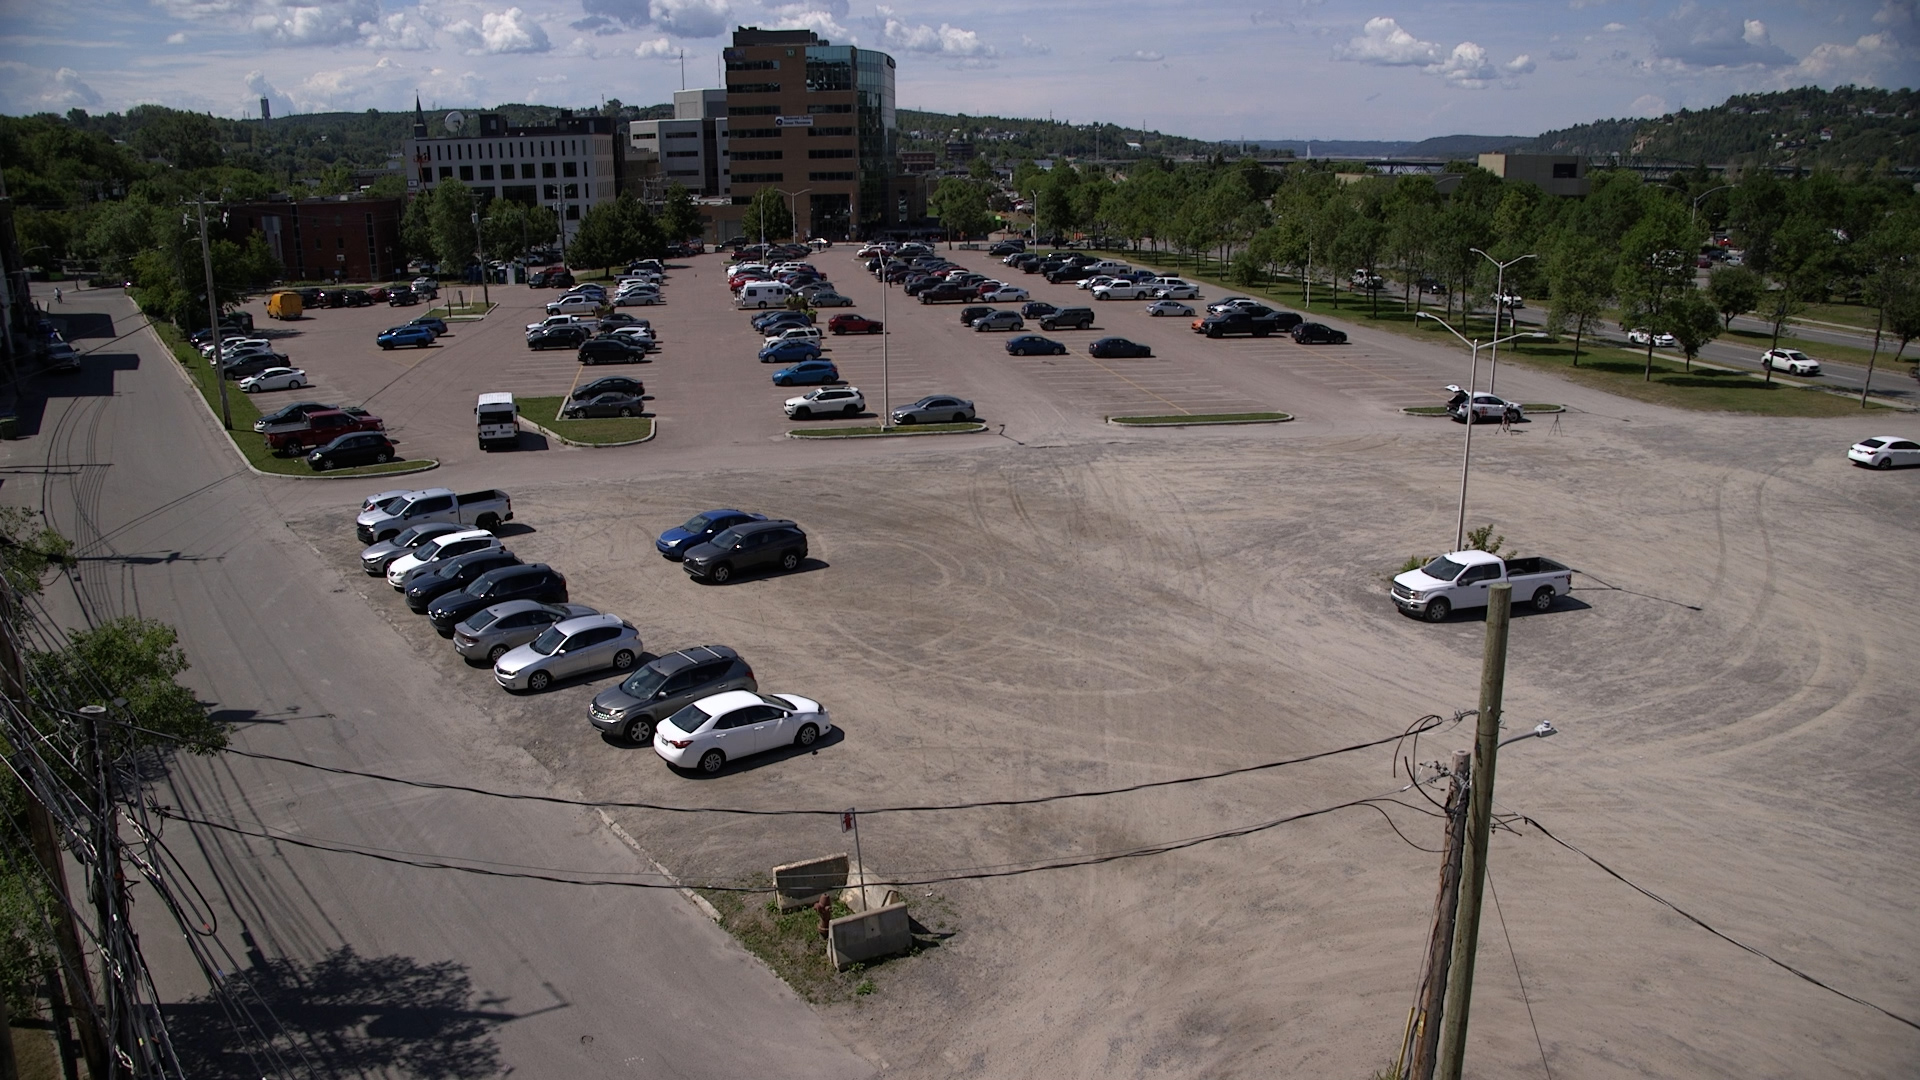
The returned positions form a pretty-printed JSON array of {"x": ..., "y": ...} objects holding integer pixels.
[{"x": 419, "y": 119}]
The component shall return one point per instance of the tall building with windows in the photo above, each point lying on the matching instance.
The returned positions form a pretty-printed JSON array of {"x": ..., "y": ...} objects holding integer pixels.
[
  {"x": 814, "y": 121},
  {"x": 689, "y": 150},
  {"x": 568, "y": 165}
]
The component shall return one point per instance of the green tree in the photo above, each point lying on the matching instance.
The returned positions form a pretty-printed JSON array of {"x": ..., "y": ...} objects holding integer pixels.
[
  {"x": 450, "y": 225},
  {"x": 680, "y": 216},
  {"x": 767, "y": 216},
  {"x": 1693, "y": 320},
  {"x": 1656, "y": 264},
  {"x": 961, "y": 206},
  {"x": 416, "y": 227},
  {"x": 1734, "y": 290},
  {"x": 1581, "y": 271},
  {"x": 336, "y": 179}
]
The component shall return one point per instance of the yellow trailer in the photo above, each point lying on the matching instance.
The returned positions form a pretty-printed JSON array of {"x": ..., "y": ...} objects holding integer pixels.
[{"x": 284, "y": 305}]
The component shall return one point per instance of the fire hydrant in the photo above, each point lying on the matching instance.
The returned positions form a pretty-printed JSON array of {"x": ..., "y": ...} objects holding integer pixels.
[{"x": 824, "y": 906}]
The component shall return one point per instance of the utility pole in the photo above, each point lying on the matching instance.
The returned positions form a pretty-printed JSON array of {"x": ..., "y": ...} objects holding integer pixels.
[
  {"x": 106, "y": 889},
  {"x": 480, "y": 250},
  {"x": 46, "y": 850},
  {"x": 1473, "y": 866},
  {"x": 1433, "y": 992},
  {"x": 213, "y": 317}
]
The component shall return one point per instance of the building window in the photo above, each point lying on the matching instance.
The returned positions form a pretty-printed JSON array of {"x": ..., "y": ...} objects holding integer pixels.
[
  {"x": 759, "y": 155},
  {"x": 682, "y": 134},
  {"x": 446, "y": 172},
  {"x": 526, "y": 171},
  {"x": 753, "y": 65},
  {"x": 643, "y": 135},
  {"x": 548, "y": 170},
  {"x": 466, "y": 172},
  {"x": 551, "y": 193},
  {"x": 683, "y": 172},
  {"x": 486, "y": 172},
  {"x": 340, "y": 242},
  {"x": 573, "y": 211},
  {"x": 1566, "y": 170},
  {"x": 759, "y": 178},
  {"x": 753, "y": 110},
  {"x": 568, "y": 168},
  {"x": 683, "y": 153},
  {"x": 829, "y": 75},
  {"x": 829, "y": 132},
  {"x": 829, "y": 153},
  {"x": 831, "y": 176},
  {"x": 818, "y": 109},
  {"x": 755, "y": 133},
  {"x": 754, "y": 88},
  {"x": 570, "y": 191},
  {"x": 527, "y": 194},
  {"x": 317, "y": 245}
]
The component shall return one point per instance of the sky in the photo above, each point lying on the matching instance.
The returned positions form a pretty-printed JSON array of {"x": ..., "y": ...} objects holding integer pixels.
[{"x": 1208, "y": 69}]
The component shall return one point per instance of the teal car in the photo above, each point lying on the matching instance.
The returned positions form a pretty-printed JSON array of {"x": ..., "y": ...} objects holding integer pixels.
[
  {"x": 412, "y": 334},
  {"x": 807, "y": 373}
]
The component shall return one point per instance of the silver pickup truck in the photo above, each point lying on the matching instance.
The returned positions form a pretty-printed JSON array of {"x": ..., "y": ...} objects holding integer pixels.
[
  {"x": 385, "y": 519},
  {"x": 1461, "y": 579}
]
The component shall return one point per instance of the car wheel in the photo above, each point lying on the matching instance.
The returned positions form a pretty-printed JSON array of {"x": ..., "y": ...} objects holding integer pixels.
[
  {"x": 1019, "y": 352},
  {"x": 488, "y": 521},
  {"x": 626, "y": 412},
  {"x": 1542, "y": 598},
  {"x": 721, "y": 574},
  {"x": 802, "y": 413},
  {"x": 539, "y": 680},
  {"x": 326, "y": 463},
  {"x": 1438, "y": 610},
  {"x": 640, "y": 731},
  {"x": 494, "y": 654},
  {"x": 1213, "y": 333},
  {"x": 808, "y": 735},
  {"x": 1061, "y": 351},
  {"x": 1884, "y": 463},
  {"x": 851, "y": 410},
  {"x": 296, "y": 385},
  {"x": 623, "y": 660},
  {"x": 382, "y": 458},
  {"x": 712, "y": 762},
  {"x": 959, "y": 418},
  {"x": 790, "y": 561}
]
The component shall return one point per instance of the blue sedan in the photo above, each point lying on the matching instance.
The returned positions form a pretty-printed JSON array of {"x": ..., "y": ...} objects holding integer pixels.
[
  {"x": 1034, "y": 345},
  {"x": 417, "y": 336},
  {"x": 699, "y": 529},
  {"x": 789, "y": 352},
  {"x": 807, "y": 372}
]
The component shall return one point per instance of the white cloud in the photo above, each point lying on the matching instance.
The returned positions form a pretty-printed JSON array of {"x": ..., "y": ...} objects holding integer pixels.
[
  {"x": 1467, "y": 66},
  {"x": 1034, "y": 48},
  {"x": 1648, "y": 105},
  {"x": 655, "y": 49},
  {"x": 403, "y": 31},
  {"x": 602, "y": 13},
  {"x": 692, "y": 18},
  {"x": 1694, "y": 37},
  {"x": 509, "y": 31},
  {"x": 331, "y": 23},
  {"x": 1859, "y": 62},
  {"x": 948, "y": 40},
  {"x": 26, "y": 89},
  {"x": 1383, "y": 42},
  {"x": 1141, "y": 56},
  {"x": 1614, "y": 27},
  {"x": 1519, "y": 65},
  {"x": 177, "y": 39}
]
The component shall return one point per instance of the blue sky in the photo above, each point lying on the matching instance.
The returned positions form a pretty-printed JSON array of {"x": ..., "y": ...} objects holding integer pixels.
[{"x": 1215, "y": 69}]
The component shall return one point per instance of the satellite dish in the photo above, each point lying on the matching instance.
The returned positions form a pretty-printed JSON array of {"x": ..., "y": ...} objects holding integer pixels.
[{"x": 455, "y": 122}]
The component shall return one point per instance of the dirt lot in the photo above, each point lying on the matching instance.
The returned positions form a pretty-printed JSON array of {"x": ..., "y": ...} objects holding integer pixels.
[{"x": 1066, "y": 607}]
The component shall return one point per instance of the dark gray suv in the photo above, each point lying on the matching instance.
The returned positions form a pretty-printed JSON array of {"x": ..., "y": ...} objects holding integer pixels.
[
  {"x": 1073, "y": 318},
  {"x": 752, "y": 545},
  {"x": 664, "y": 687}
]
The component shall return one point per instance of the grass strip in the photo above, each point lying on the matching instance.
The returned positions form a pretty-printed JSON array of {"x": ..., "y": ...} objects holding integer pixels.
[
  {"x": 875, "y": 429},
  {"x": 1199, "y": 419},
  {"x": 454, "y": 311},
  {"x": 790, "y": 944},
  {"x": 545, "y": 411}
]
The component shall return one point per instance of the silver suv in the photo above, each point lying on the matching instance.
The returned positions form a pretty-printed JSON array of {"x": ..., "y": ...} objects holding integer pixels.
[{"x": 665, "y": 686}]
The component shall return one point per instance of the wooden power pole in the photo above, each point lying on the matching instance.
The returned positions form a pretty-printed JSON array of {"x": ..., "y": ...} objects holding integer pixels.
[
  {"x": 1433, "y": 992},
  {"x": 1473, "y": 863}
]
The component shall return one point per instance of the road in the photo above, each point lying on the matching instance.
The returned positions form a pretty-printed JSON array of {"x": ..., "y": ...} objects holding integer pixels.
[{"x": 357, "y": 967}]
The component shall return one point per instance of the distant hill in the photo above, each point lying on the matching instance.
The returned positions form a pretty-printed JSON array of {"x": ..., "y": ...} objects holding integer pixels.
[
  {"x": 1445, "y": 146},
  {"x": 1013, "y": 137},
  {"x": 1809, "y": 127}
]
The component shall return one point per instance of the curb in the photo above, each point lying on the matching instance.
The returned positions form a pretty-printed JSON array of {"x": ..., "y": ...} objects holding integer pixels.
[
  {"x": 557, "y": 437},
  {"x": 1444, "y": 415},
  {"x": 431, "y": 463},
  {"x": 1115, "y": 421},
  {"x": 896, "y": 433},
  {"x": 626, "y": 838}
]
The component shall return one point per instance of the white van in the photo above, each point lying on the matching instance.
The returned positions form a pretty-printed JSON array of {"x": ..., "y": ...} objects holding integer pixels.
[
  {"x": 763, "y": 294},
  {"x": 498, "y": 418}
]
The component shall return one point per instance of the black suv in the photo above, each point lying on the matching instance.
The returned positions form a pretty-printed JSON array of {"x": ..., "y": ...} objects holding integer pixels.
[
  {"x": 1257, "y": 323},
  {"x": 557, "y": 337},
  {"x": 665, "y": 686},
  {"x": 612, "y": 350},
  {"x": 972, "y": 312},
  {"x": 748, "y": 546},
  {"x": 458, "y": 572},
  {"x": 947, "y": 293},
  {"x": 534, "y": 581},
  {"x": 1072, "y": 318},
  {"x": 401, "y": 296}
]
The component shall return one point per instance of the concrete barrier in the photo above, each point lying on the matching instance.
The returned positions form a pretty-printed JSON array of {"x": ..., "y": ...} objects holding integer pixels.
[
  {"x": 799, "y": 884},
  {"x": 854, "y": 939}
]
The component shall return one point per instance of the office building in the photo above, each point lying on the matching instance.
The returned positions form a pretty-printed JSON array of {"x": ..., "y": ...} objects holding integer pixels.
[
  {"x": 814, "y": 121},
  {"x": 689, "y": 150},
  {"x": 1555, "y": 174},
  {"x": 339, "y": 238},
  {"x": 568, "y": 165}
]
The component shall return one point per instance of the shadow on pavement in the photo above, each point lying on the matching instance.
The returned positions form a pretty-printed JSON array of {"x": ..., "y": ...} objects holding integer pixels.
[{"x": 94, "y": 379}]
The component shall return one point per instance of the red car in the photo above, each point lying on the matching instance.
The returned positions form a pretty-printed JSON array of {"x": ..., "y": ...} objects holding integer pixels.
[{"x": 852, "y": 324}]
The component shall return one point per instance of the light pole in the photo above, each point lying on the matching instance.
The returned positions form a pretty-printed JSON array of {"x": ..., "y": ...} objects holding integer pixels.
[
  {"x": 886, "y": 354},
  {"x": 213, "y": 318},
  {"x": 793, "y": 217},
  {"x": 1499, "y": 303},
  {"x": 480, "y": 251},
  {"x": 1466, "y": 448},
  {"x": 1696, "y": 199}
]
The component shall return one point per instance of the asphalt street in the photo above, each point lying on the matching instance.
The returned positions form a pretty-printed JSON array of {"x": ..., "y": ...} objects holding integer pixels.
[{"x": 337, "y": 965}]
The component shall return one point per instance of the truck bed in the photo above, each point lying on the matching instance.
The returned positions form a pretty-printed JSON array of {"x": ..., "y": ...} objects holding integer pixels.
[{"x": 1534, "y": 564}]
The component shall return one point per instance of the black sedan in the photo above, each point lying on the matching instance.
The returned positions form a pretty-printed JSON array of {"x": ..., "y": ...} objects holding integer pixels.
[
  {"x": 601, "y": 405},
  {"x": 347, "y": 451},
  {"x": 619, "y": 319},
  {"x": 1034, "y": 345},
  {"x": 535, "y": 581},
  {"x": 613, "y": 350},
  {"x": 287, "y": 414},
  {"x": 1313, "y": 333},
  {"x": 610, "y": 384},
  {"x": 972, "y": 312},
  {"x": 1118, "y": 347},
  {"x": 557, "y": 337}
]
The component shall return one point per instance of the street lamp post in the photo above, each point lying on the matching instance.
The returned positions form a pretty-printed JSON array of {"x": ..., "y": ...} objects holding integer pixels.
[
  {"x": 1499, "y": 304},
  {"x": 480, "y": 251},
  {"x": 1466, "y": 447},
  {"x": 886, "y": 355},
  {"x": 793, "y": 214},
  {"x": 1697, "y": 198}
]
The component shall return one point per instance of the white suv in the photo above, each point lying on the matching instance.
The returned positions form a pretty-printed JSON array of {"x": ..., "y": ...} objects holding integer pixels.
[{"x": 1173, "y": 288}]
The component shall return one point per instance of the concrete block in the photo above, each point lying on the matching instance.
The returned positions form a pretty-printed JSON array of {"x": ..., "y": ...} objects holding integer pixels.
[
  {"x": 799, "y": 884},
  {"x": 855, "y": 939}
]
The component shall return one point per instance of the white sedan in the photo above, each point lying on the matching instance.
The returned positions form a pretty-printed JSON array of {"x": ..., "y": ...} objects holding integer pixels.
[
  {"x": 1791, "y": 361},
  {"x": 739, "y": 723},
  {"x": 1485, "y": 407},
  {"x": 636, "y": 299},
  {"x": 827, "y": 400},
  {"x": 1885, "y": 452},
  {"x": 275, "y": 378},
  {"x": 1170, "y": 307},
  {"x": 1005, "y": 294},
  {"x": 1642, "y": 336}
]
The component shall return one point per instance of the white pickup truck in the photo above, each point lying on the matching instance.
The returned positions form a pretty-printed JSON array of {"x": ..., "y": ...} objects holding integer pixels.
[
  {"x": 1460, "y": 579},
  {"x": 480, "y": 509}
]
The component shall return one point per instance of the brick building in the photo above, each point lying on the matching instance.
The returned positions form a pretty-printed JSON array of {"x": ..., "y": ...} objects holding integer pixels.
[{"x": 341, "y": 238}]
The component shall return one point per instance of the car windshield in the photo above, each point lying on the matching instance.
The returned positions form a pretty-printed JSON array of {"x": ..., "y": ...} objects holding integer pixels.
[
  {"x": 429, "y": 549},
  {"x": 696, "y": 523},
  {"x": 725, "y": 538},
  {"x": 690, "y": 719},
  {"x": 482, "y": 619},
  {"x": 549, "y": 640},
  {"x": 644, "y": 683},
  {"x": 1443, "y": 569}
]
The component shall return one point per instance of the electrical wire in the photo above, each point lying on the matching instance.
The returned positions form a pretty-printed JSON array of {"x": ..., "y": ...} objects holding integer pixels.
[{"x": 1517, "y": 977}]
